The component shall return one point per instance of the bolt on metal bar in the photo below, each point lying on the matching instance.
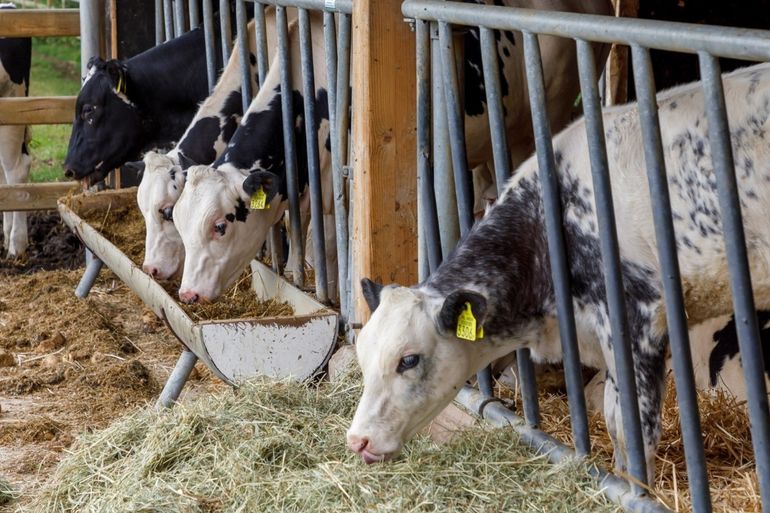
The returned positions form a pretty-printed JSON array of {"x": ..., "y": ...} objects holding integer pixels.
[
  {"x": 208, "y": 37},
  {"x": 429, "y": 227},
  {"x": 168, "y": 18},
  {"x": 243, "y": 41},
  {"x": 159, "y": 29},
  {"x": 740, "y": 277},
  {"x": 667, "y": 255},
  {"x": 290, "y": 154},
  {"x": 225, "y": 29},
  {"x": 313, "y": 166},
  {"x": 738, "y": 43},
  {"x": 178, "y": 18},
  {"x": 609, "y": 248},
  {"x": 195, "y": 13}
]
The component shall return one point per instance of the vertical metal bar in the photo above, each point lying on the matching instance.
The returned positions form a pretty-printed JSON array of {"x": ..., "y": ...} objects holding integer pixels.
[
  {"x": 159, "y": 21},
  {"x": 428, "y": 228},
  {"x": 89, "y": 33},
  {"x": 456, "y": 129},
  {"x": 195, "y": 13},
  {"x": 666, "y": 239},
  {"x": 208, "y": 34},
  {"x": 740, "y": 278},
  {"x": 93, "y": 266},
  {"x": 243, "y": 42},
  {"x": 225, "y": 29},
  {"x": 443, "y": 178},
  {"x": 177, "y": 379},
  {"x": 168, "y": 18},
  {"x": 313, "y": 167},
  {"x": 261, "y": 40},
  {"x": 290, "y": 163},
  {"x": 610, "y": 254},
  {"x": 343, "y": 217},
  {"x": 178, "y": 17}
]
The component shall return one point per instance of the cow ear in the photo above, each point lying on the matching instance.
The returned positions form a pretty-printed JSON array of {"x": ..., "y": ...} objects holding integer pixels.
[
  {"x": 117, "y": 72},
  {"x": 136, "y": 168},
  {"x": 186, "y": 162},
  {"x": 372, "y": 291},
  {"x": 453, "y": 306},
  {"x": 270, "y": 183},
  {"x": 95, "y": 61}
]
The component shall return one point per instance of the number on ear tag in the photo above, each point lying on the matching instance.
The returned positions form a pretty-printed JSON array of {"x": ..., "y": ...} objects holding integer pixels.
[
  {"x": 259, "y": 200},
  {"x": 466, "y": 324}
]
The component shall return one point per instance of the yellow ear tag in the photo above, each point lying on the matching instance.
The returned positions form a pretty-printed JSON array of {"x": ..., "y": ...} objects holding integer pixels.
[
  {"x": 466, "y": 324},
  {"x": 259, "y": 200}
]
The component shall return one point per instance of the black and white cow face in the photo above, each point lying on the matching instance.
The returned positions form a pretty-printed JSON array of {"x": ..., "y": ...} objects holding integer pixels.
[
  {"x": 219, "y": 232},
  {"x": 413, "y": 365},
  {"x": 108, "y": 127}
]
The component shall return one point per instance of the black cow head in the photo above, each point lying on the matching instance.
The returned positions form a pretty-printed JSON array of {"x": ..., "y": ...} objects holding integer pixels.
[{"x": 108, "y": 128}]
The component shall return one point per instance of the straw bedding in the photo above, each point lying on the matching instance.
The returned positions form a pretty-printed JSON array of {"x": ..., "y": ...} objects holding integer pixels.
[{"x": 280, "y": 447}]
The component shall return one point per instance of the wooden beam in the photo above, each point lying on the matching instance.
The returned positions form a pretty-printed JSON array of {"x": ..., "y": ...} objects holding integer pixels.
[
  {"x": 39, "y": 110},
  {"x": 34, "y": 196},
  {"x": 39, "y": 22},
  {"x": 617, "y": 64},
  {"x": 384, "y": 147}
]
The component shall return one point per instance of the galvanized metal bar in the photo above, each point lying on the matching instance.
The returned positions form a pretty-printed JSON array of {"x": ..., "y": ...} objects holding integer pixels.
[
  {"x": 313, "y": 166},
  {"x": 342, "y": 213},
  {"x": 740, "y": 277},
  {"x": 176, "y": 381},
  {"x": 613, "y": 487},
  {"x": 339, "y": 6},
  {"x": 609, "y": 248},
  {"x": 168, "y": 18},
  {"x": 208, "y": 36},
  {"x": 89, "y": 33},
  {"x": 455, "y": 118},
  {"x": 243, "y": 41},
  {"x": 159, "y": 30},
  {"x": 225, "y": 29},
  {"x": 290, "y": 154},
  {"x": 261, "y": 40},
  {"x": 194, "y": 9},
  {"x": 428, "y": 220},
  {"x": 178, "y": 18},
  {"x": 738, "y": 43},
  {"x": 669, "y": 264},
  {"x": 93, "y": 266}
]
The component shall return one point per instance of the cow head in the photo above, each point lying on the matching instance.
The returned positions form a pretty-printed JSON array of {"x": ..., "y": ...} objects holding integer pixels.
[
  {"x": 108, "y": 128},
  {"x": 221, "y": 235},
  {"x": 163, "y": 178},
  {"x": 413, "y": 364}
]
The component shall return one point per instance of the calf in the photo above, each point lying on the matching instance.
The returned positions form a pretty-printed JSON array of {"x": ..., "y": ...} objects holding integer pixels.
[
  {"x": 412, "y": 359},
  {"x": 15, "y": 61},
  {"x": 127, "y": 107},
  {"x": 220, "y": 234}
]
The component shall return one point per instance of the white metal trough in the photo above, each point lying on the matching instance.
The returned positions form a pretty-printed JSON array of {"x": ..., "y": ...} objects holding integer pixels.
[{"x": 234, "y": 349}]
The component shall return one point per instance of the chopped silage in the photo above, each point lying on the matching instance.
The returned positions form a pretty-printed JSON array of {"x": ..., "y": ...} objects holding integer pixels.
[{"x": 280, "y": 447}]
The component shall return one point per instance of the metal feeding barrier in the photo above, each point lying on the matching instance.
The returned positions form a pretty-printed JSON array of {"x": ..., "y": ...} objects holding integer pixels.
[
  {"x": 172, "y": 18},
  {"x": 440, "y": 132}
]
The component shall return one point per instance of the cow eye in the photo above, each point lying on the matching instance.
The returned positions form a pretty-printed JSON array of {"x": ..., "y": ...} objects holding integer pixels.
[
  {"x": 167, "y": 213},
  {"x": 220, "y": 228},
  {"x": 87, "y": 113},
  {"x": 408, "y": 362}
]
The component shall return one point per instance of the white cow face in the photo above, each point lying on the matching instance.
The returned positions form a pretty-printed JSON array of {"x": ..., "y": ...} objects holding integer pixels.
[
  {"x": 413, "y": 365},
  {"x": 219, "y": 232},
  {"x": 160, "y": 188}
]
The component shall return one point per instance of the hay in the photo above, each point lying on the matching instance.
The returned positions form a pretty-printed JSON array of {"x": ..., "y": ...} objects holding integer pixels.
[
  {"x": 7, "y": 492},
  {"x": 280, "y": 447}
]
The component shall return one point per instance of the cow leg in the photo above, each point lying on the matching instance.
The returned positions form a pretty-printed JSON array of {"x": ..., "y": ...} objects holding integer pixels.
[
  {"x": 15, "y": 161},
  {"x": 304, "y": 208},
  {"x": 7, "y": 216}
]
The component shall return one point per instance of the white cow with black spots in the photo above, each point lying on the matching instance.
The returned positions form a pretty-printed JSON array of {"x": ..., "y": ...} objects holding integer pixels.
[{"x": 414, "y": 364}]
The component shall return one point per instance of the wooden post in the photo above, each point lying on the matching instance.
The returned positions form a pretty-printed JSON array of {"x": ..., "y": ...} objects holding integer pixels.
[
  {"x": 617, "y": 64},
  {"x": 384, "y": 146}
]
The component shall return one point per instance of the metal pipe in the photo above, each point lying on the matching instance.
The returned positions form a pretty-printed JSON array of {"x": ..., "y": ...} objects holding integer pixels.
[
  {"x": 225, "y": 29},
  {"x": 159, "y": 21},
  {"x": 738, "y": 43},
  {"x": 89, "y": 33},
  {"x": 610, "y": 256},
  {"x": 740, "y": 278},
  {"x": 669, "y": 265},
  {"x": 93, "y": 266},
  {"x": 178, "y": 18},
  {"x": 428, "y": 220},
  {"x": 290, "y": 163},
  {"x": 177, "y": 379},
  {"x": 261, "y": 39},
  {"x": 313, "y": 166},
  {"x": 208, "y": 34},
  {"x": 340, "y": 6},
  {"x": 614, "y": 488},
  {"x": 195, "y": 13},
  {"x": 342, "y": 213},
  {"x": 243, "y": 42},
  {"x": 168, "y": 18}
]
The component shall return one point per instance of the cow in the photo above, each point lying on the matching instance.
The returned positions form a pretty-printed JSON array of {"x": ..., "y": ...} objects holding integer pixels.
[
  {"x": 15, "y": 62},
  {"x": 127, "y": 107},
  {"x": 220, "y": 233},
  {"x": 414, "y": 363}
]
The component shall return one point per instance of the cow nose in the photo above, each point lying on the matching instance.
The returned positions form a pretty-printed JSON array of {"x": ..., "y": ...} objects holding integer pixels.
[
  {"x": 188, "y": 296},
  {"x": 151, "y": 270},
  {"x": 69, "y": 172},
  {"x": 357, "y": 443}
]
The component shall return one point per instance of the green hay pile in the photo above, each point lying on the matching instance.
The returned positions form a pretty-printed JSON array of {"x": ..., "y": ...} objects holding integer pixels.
[
  {"x": 7, "y": 492},
  {"x": 280, "y": 447}
]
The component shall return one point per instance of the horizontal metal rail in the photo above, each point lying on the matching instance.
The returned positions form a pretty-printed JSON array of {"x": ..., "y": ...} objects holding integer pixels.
[{"x": 341, "y": 6}]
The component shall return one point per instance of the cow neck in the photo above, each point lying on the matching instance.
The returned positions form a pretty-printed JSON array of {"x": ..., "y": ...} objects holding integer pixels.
[{"x": 505, "y": 258}]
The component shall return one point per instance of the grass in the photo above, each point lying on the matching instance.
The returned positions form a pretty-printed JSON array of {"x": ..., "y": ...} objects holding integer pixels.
[
  {"x": 7, "y": 492},
  {"x": 55, "y": 72}
]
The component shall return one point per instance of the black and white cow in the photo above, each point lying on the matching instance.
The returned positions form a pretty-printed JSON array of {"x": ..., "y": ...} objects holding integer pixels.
[
  {"x": 220, "y": 233},
  {"x": 15, "y": 61},
  {"x": 128, "y": 107},
  {"x": 413, "y": 363}
]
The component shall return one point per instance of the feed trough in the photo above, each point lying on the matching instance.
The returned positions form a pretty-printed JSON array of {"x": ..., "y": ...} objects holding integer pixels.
[{"x": 296, "y": 346}]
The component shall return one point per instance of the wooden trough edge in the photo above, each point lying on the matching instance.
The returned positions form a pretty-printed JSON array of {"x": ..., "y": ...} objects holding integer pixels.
[{"x": 34, "y": 196}]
